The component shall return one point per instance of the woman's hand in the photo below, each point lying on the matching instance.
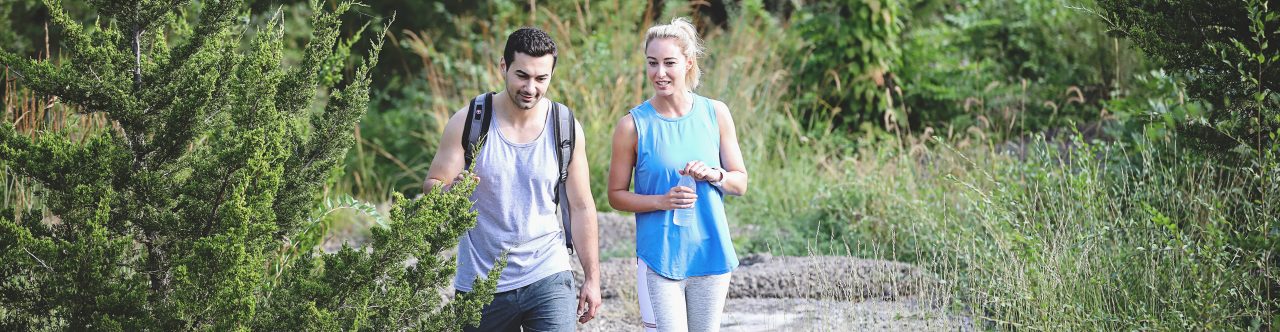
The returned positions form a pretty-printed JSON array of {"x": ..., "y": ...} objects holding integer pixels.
[
  {"x": 702, "y": 172},
  {"x": 679, "y": 197}
]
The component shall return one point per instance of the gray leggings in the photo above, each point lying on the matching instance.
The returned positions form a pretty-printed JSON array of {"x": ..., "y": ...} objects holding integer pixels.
[{"x": 692, "y": 304}]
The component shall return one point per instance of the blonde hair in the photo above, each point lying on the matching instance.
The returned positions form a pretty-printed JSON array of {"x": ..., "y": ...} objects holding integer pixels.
[{"x": 687, "y": 38}]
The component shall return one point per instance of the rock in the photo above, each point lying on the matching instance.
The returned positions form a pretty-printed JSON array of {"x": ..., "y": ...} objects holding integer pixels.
[
  {"x": 813, "y": 277},
  {"x": 755, "y": 258},
  {"x": 762, "y": 275},
  {"x": 829, "y": 277}
]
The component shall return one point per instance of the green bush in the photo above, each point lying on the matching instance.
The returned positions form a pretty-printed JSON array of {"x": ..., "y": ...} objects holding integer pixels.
[
  {"x": 1224, "y": 52},
  {"x": 24, "y": 22},
  {"x": 1220, "y": 101},
  {"x": 1016, "y": 66},
  {"x": 847, "y": 49},
  {"x": 1011, "y": 66},
  {"x": 196, "y": 210},
  {"x": 395, "y": 144}
]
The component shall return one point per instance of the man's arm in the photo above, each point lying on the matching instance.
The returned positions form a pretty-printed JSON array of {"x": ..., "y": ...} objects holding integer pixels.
[
  {"x": 447, "y": 164},
  {"x": 585, "y": 238}
]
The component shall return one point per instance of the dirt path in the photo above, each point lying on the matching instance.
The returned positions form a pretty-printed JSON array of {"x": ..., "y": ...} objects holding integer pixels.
[
  {"x": 816, "y": 293},
  {"x": 812, "y": 293}
]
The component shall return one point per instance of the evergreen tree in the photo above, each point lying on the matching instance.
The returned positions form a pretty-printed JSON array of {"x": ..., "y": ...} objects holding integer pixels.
[
  {"x": 197, "y": 210},
  {"x": 1225, "y": 50}
]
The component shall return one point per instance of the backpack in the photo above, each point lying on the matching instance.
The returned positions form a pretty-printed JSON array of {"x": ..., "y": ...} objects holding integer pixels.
[{"x": 481, "y": 111}]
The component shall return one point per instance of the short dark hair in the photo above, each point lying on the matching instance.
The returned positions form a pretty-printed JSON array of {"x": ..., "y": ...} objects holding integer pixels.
[{"x": 531, "y": 41}]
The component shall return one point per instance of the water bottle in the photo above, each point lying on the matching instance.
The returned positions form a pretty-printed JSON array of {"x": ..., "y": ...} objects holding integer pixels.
[{"x": 686, "y": 216}]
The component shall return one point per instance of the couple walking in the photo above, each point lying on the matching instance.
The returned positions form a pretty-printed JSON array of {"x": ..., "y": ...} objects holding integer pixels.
[{"x": 522, "y": 148}]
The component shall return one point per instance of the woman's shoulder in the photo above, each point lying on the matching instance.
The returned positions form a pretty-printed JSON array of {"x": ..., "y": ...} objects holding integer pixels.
[
  {"x": 627, "y": 120},
  {"x": 716, "y": 105},
  {"x": 636, "y": 114},
  {"x": 642, "y": 107}
]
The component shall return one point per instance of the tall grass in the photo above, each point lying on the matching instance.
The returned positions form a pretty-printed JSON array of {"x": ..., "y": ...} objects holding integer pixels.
[{"x": 1092, "y": 237}]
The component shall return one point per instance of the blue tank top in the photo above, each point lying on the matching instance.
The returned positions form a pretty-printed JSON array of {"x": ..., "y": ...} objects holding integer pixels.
[{"x": 663, "y": 146}]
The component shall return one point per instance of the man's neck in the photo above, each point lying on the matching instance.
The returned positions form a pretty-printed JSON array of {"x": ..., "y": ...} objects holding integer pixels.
[{"x": 515, "y": 116}]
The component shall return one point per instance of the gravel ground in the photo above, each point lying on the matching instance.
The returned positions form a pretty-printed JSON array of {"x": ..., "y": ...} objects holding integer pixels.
[
  {"x": 807, "y": 315},
  {"x": 770, "y": 304},
  {"x": 814, "y": 293}
]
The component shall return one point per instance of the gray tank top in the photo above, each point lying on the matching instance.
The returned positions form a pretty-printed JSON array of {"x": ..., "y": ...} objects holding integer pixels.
[{"x": 516, "y": 214}]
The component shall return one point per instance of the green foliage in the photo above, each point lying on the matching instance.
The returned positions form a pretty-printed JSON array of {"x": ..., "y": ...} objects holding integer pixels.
[
  {"x": 1223, "y": 50},
  {"x": 395, "y": 144},
  {"x": 1230, "y": 117},
  {"x": 1005, "y": 67},
  {"x": 325, "y": 219},
  {"x": 849, "y": 47},
  {"x": 1156, "y": 110},
  {"x": 455, "y": 60},
  {"x": 1077, "y": 237},
  {"x": 24, "y": 26},
  {"x": 181, "y": 217},
  {"x": 8, "y": 37},
  {"x": 375, "y": 289},
  {"x": 1010, "y": 66}
]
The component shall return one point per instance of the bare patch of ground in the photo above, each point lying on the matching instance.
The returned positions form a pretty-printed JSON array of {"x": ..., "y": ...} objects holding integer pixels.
[{"x": 814, "y": 293}]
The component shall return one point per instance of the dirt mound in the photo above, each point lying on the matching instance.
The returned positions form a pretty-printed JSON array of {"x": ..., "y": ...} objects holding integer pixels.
[
  {"x": 814, "y": 277},
  {"x": 827, "y": 277},
  {"x": 766, "y": 276}
]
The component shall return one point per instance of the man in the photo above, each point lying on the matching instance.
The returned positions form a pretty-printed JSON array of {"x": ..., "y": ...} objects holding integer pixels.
[{"x": 518, "y": 169}]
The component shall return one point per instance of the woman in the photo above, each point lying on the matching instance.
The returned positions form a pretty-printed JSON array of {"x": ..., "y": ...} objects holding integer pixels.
[{"x": 683, "y": 271}]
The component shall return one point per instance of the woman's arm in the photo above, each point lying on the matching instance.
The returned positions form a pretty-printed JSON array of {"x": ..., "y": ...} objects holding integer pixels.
[
  {"x": 735, "y": 170},
  {"x": 623, "y": 162}
]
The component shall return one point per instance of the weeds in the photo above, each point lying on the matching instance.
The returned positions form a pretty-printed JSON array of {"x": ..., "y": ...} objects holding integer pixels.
[{"x": 1111, "y": 240}]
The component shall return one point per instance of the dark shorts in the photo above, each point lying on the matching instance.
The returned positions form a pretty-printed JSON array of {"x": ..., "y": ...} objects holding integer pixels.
[{"x": 549, "y": 304}]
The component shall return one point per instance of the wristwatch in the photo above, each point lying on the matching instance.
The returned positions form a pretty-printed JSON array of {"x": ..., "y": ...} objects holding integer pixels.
[{"x": 720, "y": 182}]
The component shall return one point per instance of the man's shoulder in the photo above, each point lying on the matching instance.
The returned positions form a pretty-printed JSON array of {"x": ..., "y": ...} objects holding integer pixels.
[
  {"x": 554, "y": 103},
  {"x": 565, "y": 109}
]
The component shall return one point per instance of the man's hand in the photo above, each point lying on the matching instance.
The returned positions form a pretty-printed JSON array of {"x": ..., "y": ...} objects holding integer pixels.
[
  {"x": 589, "y": 300},
  {"x": 431, "y": 183},
  {"x": 462, "y": 176}
]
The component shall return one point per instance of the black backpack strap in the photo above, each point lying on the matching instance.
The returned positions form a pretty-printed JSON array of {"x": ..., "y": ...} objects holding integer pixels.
[
  {"x": 479, "y": 114},
  {"x": 565, "y": 140}
]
